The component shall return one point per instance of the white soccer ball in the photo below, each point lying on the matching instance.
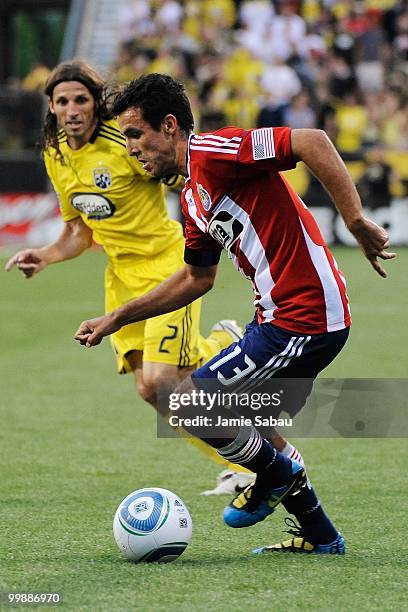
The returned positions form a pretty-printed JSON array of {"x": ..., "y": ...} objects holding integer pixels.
[{"x": 152, "y": 525}]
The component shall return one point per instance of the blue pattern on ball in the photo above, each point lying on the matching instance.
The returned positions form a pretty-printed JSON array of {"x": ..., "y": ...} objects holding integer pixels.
[{"x": 144, "y": 525}]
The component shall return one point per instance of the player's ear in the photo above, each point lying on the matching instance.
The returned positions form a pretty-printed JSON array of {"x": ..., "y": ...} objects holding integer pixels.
[
  {"x": 51, "y": 106},
  {"x": 169, "y": 124}
]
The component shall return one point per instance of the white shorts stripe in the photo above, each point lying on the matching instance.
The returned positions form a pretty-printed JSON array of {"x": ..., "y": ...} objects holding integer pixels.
[
  {"x": 293, "y": 349},
  {"x": 299, "y": 351},
  {"x": 258, "y": 374}
]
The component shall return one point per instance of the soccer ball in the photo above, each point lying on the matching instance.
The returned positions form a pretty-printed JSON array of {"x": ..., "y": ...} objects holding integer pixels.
[{"x": 152, "y": 525}]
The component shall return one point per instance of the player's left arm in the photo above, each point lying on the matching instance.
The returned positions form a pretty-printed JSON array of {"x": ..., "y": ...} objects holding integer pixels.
[
  {"x": 316, "y": 150},
  {"x": 180, "y": 289}
]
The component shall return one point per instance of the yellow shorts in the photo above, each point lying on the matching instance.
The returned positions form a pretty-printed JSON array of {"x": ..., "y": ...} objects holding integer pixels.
[{"x": 171, "y": 338}]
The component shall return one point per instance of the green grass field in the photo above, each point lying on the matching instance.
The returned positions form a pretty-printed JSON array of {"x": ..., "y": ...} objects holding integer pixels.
[{"x": 75, "y": 439}]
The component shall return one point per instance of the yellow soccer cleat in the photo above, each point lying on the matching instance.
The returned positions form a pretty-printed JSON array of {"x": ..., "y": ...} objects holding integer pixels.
[
  {"x": 299, "y": 544},
  {"x": 260, "y": 499}
]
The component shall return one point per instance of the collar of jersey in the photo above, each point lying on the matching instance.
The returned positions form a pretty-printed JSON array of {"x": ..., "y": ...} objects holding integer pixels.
[
  {"x": 92, "y": 139},
  {"x": 188, "y": 157},
  {"x": 95, "y": 133}
]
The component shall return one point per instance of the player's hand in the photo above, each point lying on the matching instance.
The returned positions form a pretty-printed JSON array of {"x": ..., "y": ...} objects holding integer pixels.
[
  {"x": 373, "y": 240},
  {"x": 92, "y": 332},
  {"x": 29, "y": 262}
]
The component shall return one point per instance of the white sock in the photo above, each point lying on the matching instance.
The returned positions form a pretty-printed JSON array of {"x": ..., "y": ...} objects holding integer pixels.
[{"x": 293, "y": 453}]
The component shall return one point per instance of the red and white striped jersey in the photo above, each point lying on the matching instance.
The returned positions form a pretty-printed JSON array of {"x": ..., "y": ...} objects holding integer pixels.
[{"x": 235, "y": 198}]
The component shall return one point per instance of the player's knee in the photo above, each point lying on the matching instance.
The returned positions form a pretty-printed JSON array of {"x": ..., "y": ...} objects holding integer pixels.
[
  {"x": 185, "y": 386},
  {"x": 147, "y": 393},
  {"x": 155, "y": 388}
]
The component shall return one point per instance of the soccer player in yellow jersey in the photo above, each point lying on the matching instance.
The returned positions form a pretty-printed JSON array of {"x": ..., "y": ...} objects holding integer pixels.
[{"x": 106, "y": 196}]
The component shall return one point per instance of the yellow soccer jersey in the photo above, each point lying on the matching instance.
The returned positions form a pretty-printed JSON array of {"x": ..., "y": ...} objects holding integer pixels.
[{"x": 121, "y": 203}]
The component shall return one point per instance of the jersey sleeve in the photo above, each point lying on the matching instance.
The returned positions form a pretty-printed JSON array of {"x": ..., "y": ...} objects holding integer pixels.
[
  {"x": 267, "y": 147},
  {"x": 68, "y": 212},
  {"x": 223, "y": 152},
  {"x": 200, "y": 248}
]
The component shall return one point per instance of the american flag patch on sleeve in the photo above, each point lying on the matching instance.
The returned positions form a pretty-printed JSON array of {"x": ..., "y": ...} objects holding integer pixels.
[{"x": 263, "y": 146}]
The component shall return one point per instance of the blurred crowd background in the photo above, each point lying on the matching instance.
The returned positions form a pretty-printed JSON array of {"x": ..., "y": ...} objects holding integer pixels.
[
  {"x": 341, "y": 66},
  {"x": 338, "y": 65}
]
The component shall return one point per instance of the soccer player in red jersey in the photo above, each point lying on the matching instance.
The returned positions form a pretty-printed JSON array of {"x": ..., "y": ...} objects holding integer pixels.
[{"x": 236, "y": 199}]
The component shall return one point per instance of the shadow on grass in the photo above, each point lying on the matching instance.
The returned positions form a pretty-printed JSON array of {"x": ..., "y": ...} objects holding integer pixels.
[
  {"x": 213, "y": 560},
  {"x": 217, "y": 560},
  {"x": 223, "y": 560}
]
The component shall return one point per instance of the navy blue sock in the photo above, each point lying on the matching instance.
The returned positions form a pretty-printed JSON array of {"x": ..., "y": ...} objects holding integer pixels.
[
  {"x": 257, "y": 454},
  {"x": 316, "y": 526},
  {"x": 279, "y": 470},
  {"x": 268, "y": 459}
]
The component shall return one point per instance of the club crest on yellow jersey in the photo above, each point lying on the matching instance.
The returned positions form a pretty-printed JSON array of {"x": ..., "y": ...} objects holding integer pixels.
[{"x": 102, "y": 178}]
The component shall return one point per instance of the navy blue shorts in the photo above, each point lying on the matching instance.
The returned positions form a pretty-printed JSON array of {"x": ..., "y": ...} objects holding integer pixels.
[{"x": 268, "y": 354}]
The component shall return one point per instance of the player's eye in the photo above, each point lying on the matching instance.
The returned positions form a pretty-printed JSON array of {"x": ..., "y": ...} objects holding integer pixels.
[{"x": 133, "y": 134}]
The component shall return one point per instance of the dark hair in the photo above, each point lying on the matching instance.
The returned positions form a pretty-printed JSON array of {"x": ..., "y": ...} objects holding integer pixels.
[
  {"x": 76, "y": 70},
  {"x": 157, "y": 95}
]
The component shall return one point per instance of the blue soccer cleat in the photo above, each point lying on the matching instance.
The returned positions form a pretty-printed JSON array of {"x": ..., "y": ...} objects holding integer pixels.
[
  {"x": 299, "y": 544},
  {"x": 260, "y": 499}
]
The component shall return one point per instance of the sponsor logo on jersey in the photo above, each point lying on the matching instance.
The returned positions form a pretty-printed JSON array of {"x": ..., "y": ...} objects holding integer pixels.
[
  {"x": 204, "y": 197},
  {"x": 102, "y": 178},
  {"x": 93, "y": 205},
  {"x": 225, "y": 229}
]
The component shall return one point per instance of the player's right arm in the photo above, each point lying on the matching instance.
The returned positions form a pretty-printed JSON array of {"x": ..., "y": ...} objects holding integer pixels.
[
  {"x": 73, "y": 240},
  {"x": 181, "y": 288},
  {"x": 281, "y": 148},
  {"x": 316, "y": 150}
]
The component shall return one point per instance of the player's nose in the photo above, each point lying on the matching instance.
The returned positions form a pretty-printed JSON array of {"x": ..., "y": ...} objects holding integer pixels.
[
  {"x": 132, "y": 148},
  {"x": 72, "y": 109}
]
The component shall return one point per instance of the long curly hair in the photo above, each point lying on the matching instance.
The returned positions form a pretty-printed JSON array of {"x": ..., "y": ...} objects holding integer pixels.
[{"x": 75, "y": 70}]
